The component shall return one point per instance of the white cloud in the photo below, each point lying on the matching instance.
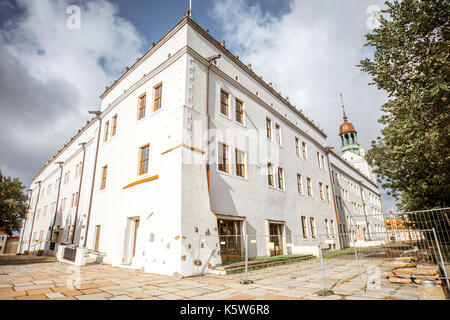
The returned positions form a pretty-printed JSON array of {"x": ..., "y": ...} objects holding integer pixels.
[
  {"x": 50, "y": 76},
  {"x": 310, "y": 54}
]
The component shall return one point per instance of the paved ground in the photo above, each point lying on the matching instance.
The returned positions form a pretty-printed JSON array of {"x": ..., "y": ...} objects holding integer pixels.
[{"x": 296, "y": 281}]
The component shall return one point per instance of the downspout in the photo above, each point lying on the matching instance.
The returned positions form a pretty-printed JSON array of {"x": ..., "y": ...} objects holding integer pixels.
[
  {"x": 97, "y": 113},
  {"x": 83, "y": 145},
  {"x": 26, "y": 218},
  {"x": 327, "y": 149},
  {"x": 34, "y": 214},
  {"x": 60, "y": 163},
  {"x": 210, "y": 60}
]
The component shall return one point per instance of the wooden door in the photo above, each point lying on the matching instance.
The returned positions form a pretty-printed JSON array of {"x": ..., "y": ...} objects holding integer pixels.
[
  {"x": 276, "y": 238},
  {"x": 136, "y": 226},
  {"x": 97, "y": 237},
  {"x": 230, "y": 239}
]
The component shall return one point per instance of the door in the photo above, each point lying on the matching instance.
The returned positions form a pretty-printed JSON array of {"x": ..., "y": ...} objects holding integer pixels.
[
  {"x": 97, "y": 237},
  {"x": 230, "y": 240},
  {"x": 276, "y": 239},
  {"x": 135, "y": 230}
]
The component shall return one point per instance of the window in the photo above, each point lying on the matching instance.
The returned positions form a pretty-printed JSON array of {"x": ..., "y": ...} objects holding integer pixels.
[
  {"x": 240, "y": 163},
  {"x": 305, "y": 152},
  {"x": 224, "y": 107},
  {"x": 270, "y": 174},
  {"x": 141, "y": 111},
  {"x": 269, "y": 128},
  {"x": 143, "y": 159},
  {"x": 304, "y": 227},
  {"x": 318, "y": 159},
  {"x": 327, "y": 229},
  {"x": 104, "y": 172},
  {"x": 278, "y": 133},
  {"x": 223, "y": 157},
  {"x": 297, "y": 146},
  {"x": 73, "y": 196},
  {"x": 280, "y": 178},
  {"x": 158, "y": 96},
  {"x": 328, "y": 193},
  {"x": 114, "y": 125},
  {"x": 106, "y": 131},
  {"x": 322, "y": 160},
  {"x": 299, "y": 183},
  {"x": 332, "y": 228},
  {"x": 308, "y": 186},
  {"x": 321, "y": 191},
  {"x": 313, "y": 227},
  {"x": 239, "y": 111}
]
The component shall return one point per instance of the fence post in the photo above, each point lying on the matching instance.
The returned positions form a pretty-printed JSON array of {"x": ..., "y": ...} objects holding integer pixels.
[
  {"x": 246, "y": 257},
  {"x": 440, "y": 256},
  {"x": 356, "y": 257},
  {"x": 322, "y": 264}
]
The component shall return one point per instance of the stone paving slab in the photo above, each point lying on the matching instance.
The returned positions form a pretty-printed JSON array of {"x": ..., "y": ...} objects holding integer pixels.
[{"x": 55, "y": 280}]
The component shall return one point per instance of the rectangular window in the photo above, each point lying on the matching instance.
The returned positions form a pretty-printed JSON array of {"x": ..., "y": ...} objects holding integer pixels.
[
  {"x": 313, "y": 227},
  {"x": 318, "y": 160},
  {"x": 239, "y": 111},
  {"x": 223, "y": 157},
  {"x": 278, "y": 133},
  {"x": 270, "y": 174},
  {"x": 240, "y": 163},
  {"x": 114, "y": 125},
  {"x": 299, "y": 183},
  {"x": 280, "y": 178},
  {"x": 322, "y": 160},
  {"x": 143, "y": 159},
  {"x": 142, "y": 103},
  {"x": 328, "y": 193},
  {"x": 297, "y": 147},
  {"x": 269, "y": 128},
  {"x": 106, "y": 131},
  {"x": 308, "y": 186},
  {"x": 321, "y": 191},
  {"x": 158, "y": 97},
  {"x": 224, "y": 105},
  {"x": 332, "y": 228},
  {"x": 327, "y": 229},
  {"x": 305, "y": 152},
  {"x": 104, "y": 172},
  {"x": 304, "y": 227}
]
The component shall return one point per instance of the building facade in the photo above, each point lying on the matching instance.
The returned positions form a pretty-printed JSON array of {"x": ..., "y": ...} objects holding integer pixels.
[{"x": 191, "y": 149}]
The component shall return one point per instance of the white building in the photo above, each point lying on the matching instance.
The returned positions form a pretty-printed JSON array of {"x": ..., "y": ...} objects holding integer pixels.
[{"x": 190, "y": 144}]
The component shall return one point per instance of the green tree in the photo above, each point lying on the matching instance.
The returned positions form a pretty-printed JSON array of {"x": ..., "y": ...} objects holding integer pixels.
[
  {"x": 411, "y": 63},
  {"x": 12, "y": 204}
]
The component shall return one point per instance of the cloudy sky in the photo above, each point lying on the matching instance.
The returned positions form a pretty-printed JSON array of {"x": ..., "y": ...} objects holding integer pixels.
[{"x": 51, "y": 75}]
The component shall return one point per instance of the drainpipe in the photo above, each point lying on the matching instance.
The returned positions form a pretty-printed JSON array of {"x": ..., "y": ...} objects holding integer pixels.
[
  {"x": 60, "y": 163},
  {"x": 83, "y": 145},
  {"x": 26, "y": 218},
  {"x": 327, "y": 151},
  {"x": 97, "y": 113},
  {"x": 210, "y": 61},
  {"x": 34, "y": 214}
]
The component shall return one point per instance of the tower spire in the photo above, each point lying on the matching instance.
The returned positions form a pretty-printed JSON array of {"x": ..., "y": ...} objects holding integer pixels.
[{"x": 343, "y": 110}]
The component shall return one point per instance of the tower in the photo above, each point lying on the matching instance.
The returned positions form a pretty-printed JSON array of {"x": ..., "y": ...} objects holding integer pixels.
[{"x": 348, "y": 135}]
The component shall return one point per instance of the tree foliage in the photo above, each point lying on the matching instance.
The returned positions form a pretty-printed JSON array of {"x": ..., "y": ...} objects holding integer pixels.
[
  {"x": 12, "y": 204},
  {"x": 411, "y": 63}
]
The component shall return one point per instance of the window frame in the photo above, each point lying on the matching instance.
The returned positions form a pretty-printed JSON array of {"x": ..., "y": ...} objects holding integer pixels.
[
  {"x": 103, "y": 179},
  {"x": 280, "y": 178},
  {"x": 244, "y": 164},
  {"x": 269, "y": 128},
  {"x": 157, "y": 99},
  {"x": 270, "y": 180},
  {"x": 299, "y": 183},
  {"x": 225, "y": 160},
  {"x": 145, "y": 160},
  {"x": 142, "y": 108},
  {"x": 236, "y": 113},
  {"x": 221, "y": 104},
  {"x": 114, "y": 125}
]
